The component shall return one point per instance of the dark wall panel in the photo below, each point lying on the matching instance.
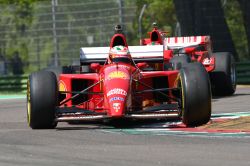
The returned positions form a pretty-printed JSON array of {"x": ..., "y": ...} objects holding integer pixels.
[
  {"x": 205, "y": 17},
  {"x": 245, "y": 8}
]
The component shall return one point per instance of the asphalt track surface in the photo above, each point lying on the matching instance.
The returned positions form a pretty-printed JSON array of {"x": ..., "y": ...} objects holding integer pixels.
[{"x": 93, "y": 144}]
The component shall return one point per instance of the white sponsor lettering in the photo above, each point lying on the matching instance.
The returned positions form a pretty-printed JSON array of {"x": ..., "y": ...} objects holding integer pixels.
[
  {"x": 207, "y": 61},
  {"x": 117, "y": 91},
  {"x": 116, "y": 98}
]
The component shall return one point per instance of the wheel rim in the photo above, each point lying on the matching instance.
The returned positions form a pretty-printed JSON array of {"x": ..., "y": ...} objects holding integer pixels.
[
  {"x": 28, "y": 103},
  {"x": 180, "y": 85}
]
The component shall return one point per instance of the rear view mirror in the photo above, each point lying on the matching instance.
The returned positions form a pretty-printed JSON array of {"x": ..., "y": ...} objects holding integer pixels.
[
  {"x": 95, "y": 66},
  {"x": 142, "y": 65}
]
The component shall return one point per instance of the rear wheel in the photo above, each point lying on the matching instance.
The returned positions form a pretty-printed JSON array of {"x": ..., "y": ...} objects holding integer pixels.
[
  {"x": 223, "y": 78},
  {"x": 180, "y": 61},
  {"x": 196, "y": 95},
  {"x": 42, "y": 97}
]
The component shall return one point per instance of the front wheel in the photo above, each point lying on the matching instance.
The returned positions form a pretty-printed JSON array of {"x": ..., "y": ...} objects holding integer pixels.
[
  {"x": 196, "y": 95},
  {"x": 42, "y": 97}
]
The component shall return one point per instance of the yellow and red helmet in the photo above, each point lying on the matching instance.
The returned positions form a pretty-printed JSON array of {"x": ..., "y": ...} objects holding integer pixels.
[{"x": 119, "y": 54}]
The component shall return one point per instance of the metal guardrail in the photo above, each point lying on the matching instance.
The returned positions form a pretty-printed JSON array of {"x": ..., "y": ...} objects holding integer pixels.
[
  {"x": 13, "y": 84},
  {"x": 56, "y": 31},
  {"x": 243, "y": 72},
  {"x": 17, "y": 84}
]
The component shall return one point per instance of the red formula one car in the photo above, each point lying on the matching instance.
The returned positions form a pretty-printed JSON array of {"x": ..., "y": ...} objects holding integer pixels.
[
  {"x": 184, "y": 50},
  {"x": 119, "y": 85}
]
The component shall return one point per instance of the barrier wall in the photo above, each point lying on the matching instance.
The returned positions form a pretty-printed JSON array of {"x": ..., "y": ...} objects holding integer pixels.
[
  {"x": 243, "y": 72},
  {"x": 17, "y": 84},
  {"x": 13, "y": 84}
]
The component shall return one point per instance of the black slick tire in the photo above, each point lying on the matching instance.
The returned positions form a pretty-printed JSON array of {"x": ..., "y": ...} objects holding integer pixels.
[
  {"x": 42, "y": 98},
  {"x": 180, "y": 61},
  {"x": 196, "y": 95},
  {"x": 223, "y": 78}
]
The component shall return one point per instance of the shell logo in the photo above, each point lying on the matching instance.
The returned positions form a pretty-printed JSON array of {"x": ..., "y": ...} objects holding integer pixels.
[
  {"x": 117, "y": 74},
  {"x": 62, "y": 86}
]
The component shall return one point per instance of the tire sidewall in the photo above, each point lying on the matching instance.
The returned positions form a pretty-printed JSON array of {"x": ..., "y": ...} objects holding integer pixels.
[
  {"x": 180, "y": 61},
  {"x": 196, "y": 95},
  {"x": 43, "y": 95},
  {"x": 223, "y": 78}
]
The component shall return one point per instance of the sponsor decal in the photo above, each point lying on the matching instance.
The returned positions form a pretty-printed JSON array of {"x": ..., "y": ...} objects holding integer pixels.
[
  {"x": 116, "y": 98},
  {"x": 117, "y": 74},
  {"x": 182, "y": 41},
  {"x": 62, "y": 86},
  {"x": 116, "y": 106},
  {"x": 119, "y": 66},
  {"x": 117, "y": 91},
  {"x": 207, "y": 61}
]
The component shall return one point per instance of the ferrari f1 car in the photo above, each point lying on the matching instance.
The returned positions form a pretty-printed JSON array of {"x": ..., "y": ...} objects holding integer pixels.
[
  {"x": 184, "y": 50},
  {"x": 119, "y": 85}
]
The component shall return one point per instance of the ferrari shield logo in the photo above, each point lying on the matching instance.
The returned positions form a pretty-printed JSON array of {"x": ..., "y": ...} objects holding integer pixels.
[{"x": 116, "y": 106}]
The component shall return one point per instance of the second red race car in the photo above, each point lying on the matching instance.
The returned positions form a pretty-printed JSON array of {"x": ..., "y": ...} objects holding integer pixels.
[
  {"x": 184, "y": 50},
  {"x": 119, "y": 85}
]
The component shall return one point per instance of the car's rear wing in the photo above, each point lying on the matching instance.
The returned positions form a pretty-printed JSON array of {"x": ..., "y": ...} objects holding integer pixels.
[
  {"x": 180, "y": 42},
  {"x": 152, "y": 54}
]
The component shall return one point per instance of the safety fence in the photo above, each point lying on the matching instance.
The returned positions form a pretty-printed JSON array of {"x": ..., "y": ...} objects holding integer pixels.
[
  {"x": 13, "y": 84},
  {"x": 17, "y": 83},
  {"x": 243, "y": 72},
  {"x": 50, "y": 32}
]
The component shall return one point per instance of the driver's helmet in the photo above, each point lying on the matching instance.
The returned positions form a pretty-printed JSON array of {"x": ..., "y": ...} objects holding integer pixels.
[{"x": 119, "y": 54}]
